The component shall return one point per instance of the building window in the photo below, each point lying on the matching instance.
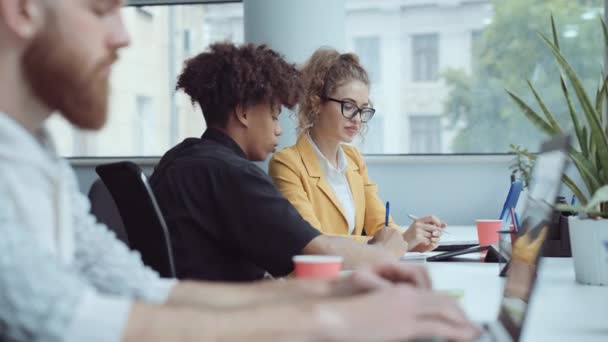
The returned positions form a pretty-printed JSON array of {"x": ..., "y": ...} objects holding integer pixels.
[
  {"x": 368, "y": 49},
  {"x": 425, "y": 57},
  {"x": 425, "y": 134}
]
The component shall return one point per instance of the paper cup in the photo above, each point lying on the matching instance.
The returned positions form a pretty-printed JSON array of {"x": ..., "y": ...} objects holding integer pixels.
[
  {"x": 487, "y": 231},
  {"x": 317, "y": 266}
]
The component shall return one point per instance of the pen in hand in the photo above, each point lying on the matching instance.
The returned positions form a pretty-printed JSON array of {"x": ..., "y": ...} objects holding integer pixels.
[
  {"x": 414, "y": 218},
  {"x": 387, "y": 213}
]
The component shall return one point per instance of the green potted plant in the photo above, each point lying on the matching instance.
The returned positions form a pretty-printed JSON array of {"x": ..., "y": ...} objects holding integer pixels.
[
  {"x": 522, "y": 164},
  {"x": 589, "y": 154}
]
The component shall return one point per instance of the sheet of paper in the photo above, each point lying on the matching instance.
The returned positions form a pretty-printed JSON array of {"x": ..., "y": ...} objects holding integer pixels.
[{"x": 414, "y": 257}]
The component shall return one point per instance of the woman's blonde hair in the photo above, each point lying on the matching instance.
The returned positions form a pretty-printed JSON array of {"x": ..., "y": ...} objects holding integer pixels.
[{"x": 322, "y": 74}]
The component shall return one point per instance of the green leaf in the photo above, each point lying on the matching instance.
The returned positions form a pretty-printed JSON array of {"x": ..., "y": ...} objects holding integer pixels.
[
  {"x": 605, "y": 32},
  {"x": 532, "y": 115},
  {"x": 550, "y": 118},
  {"x": 596, "y": 161},
  {"x": 587, "y": 142},
  {"x": 599, "y": 99},
  {"x": 587, "y": 170},
  {"x": 582, "y": 140},
  {"x": 606, "y": 101},
  {"x": 578, "y": 209},
  {"x": 593, "y": 207},
  {"x": 597, "y": 133},
  {"x": 554, "y": 32},
  {"x": 528, "y": 155},
  {"x": 575, "y": 189},
  {"x": 600, "y": 196}
]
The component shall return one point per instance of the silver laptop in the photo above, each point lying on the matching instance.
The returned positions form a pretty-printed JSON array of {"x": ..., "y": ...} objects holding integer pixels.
[{"x": 527, "y": 248}]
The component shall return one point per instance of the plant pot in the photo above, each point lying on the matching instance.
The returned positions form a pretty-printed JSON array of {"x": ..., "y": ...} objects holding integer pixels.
[
  {"x": 588, "y": 251},
  {"x": 558, "y": 241}
]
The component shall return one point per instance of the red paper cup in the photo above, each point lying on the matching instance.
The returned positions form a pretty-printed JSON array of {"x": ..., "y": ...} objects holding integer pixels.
[
  {"x": 317, "y": 266},
  {"x": 487, "y": 231}
]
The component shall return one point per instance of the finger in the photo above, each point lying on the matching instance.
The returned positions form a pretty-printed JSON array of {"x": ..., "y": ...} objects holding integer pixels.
[
  {"x": 444, "y": 308},
  {"x": 432, "y": 219},
  {"x": 365, "y": 280},
  {"x": 424, "y": 235},
  {"x": 430, "y": 228},
  {"x": 405, "y": 273},
  {"x": 444, "y": 331}
]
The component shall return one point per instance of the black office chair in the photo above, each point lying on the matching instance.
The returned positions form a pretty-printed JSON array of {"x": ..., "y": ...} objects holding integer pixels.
[
  {"x": 105, "y": 210},
  {"x": 146, "y": 228}
]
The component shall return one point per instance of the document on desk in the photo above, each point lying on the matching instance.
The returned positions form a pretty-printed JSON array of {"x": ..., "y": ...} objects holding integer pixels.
[
  {"x": 415, "y": 257},
  {"x": 460, "y": 239}
]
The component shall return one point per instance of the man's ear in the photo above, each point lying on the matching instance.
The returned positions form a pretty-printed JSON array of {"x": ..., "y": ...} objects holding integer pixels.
[
  {"x": 23, "y": 18},
  {"x": 241, "y": 115}
]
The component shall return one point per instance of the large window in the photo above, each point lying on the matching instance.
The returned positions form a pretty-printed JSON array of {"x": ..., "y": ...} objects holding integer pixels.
[
  {"x": 453, "y": 59},
  {"x": 368, "y": 49},
  {"x": 449, "y": 59},
  {"x": 147, "y": 116},
  {"x": 425, "y": 134}
]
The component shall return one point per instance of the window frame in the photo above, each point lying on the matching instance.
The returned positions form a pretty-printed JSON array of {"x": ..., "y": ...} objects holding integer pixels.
[{"x": 176, "y": 2}]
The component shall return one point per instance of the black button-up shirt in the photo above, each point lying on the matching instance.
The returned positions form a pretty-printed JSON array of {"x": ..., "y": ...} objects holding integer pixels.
[{"x": 226, "y": 218}]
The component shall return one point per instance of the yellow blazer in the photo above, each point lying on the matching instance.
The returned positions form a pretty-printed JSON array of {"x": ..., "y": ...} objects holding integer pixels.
[{"x": 297, "y": 173}]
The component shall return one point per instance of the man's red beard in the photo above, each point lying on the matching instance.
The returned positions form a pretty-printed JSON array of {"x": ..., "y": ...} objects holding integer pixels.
[{"x": 62, "y": 78}]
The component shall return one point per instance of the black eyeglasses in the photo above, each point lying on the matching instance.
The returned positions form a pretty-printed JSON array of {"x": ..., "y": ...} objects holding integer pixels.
[{"x": 350, "y": 110}]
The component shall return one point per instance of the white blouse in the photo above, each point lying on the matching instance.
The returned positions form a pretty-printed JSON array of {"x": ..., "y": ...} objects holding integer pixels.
[{"x": 336, "y": 177}]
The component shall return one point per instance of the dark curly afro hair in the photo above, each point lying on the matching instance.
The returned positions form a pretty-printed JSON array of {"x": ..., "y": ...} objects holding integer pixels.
[{"x": 227, "y": 75}]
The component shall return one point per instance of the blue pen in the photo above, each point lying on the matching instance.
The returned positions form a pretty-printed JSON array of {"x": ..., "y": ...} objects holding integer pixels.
[{"x": 387, "y": 212}]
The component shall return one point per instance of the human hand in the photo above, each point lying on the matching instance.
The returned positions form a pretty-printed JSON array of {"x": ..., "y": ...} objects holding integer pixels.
[
  {"x": 391, "y": 240},
  {"x": 396, "y": 313},
  {"x": 423, "y": 234},
  {"x": 380, "y": 276}
]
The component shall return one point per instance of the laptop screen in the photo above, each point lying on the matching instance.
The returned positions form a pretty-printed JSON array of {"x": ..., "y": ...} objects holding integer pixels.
[
  {"x": 527, "y": 248},
  {"x": 511, "y": 200}
]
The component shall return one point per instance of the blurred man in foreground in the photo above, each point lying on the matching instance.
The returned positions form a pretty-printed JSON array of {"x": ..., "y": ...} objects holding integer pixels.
[{"x": 64, "y": 277}]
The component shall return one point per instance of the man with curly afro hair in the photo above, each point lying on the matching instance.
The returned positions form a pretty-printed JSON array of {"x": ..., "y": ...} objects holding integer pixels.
[{"x": 226, "y": 218}]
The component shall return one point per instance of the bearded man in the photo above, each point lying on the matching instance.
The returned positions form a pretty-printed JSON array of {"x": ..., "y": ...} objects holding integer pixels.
[{"x": 63, "y": 277}]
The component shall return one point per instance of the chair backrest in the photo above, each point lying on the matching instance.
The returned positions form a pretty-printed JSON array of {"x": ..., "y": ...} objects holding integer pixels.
[
  {"x": 146, "y": 228},
  {"x": 105, "y": 210}
]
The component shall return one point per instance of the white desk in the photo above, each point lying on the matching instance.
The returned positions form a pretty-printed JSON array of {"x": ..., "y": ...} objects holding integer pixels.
[{"x": 560, "y": 308}]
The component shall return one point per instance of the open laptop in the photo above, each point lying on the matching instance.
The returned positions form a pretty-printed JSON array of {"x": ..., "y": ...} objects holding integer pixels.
[
  {"x": 527, "y": 248},
  {"x": 452, "y": 246}
]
